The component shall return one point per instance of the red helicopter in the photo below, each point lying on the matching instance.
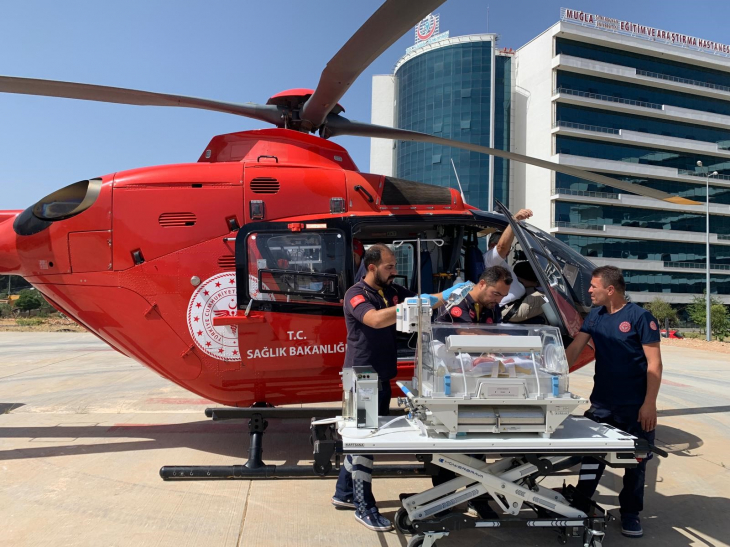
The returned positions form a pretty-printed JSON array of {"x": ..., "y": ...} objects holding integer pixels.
[{"x": 226, "y": 275}]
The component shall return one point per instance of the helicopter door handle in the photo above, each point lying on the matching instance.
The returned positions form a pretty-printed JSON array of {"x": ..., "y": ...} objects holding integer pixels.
[
  {"x": 359, "y": 188},
  {"x": 270, "y": 157}
]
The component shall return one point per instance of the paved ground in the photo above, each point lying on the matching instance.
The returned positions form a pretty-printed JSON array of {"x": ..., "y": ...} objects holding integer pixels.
[{"x": 84, "y": 431}]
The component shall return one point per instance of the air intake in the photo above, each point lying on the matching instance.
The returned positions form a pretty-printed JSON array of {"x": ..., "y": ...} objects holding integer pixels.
[
  {"x": 169, "y": 220},
  {"x": 264, "y": 185},
  {"x": 227, "y": 262}
]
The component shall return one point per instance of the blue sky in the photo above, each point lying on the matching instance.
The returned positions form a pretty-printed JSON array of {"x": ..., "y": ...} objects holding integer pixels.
[{"x": 235, "y": 51}]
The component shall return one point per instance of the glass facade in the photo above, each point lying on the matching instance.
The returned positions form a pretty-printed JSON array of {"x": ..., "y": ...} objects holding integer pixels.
[
  {"x": 639, "y": 154},
  {"x": 634, "y": 249},
  {"x": 502, "y": 119},
  {"x": 576, "y": 186},
  {"x": 448, "y": 92},
  {"x": 599, "y": 215},
  {"x": 643, "y": 124},
  {"x": 624, "y": 90},
  {"x": 641, "y": 62},
  {"x": 692, "y": 283}
]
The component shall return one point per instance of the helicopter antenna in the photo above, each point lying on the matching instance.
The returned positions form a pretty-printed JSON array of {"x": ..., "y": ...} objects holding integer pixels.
[{"x": 463, "y": 198}]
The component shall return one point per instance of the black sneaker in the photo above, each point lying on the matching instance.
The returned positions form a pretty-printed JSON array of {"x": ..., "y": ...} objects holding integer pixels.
[
  {"x": 631, "y": 527},
  {"x": 347, "y": 503},
  {"x": 481, "y": 510},
  {"x": 373, "y": 520}
]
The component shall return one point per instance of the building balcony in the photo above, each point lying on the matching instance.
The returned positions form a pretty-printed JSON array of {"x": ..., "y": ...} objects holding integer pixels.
[
  {"x": 719, "y": 149},
  {"x": 658, "y": 265},
  {"x": 638, "y": 169},
  {"x": 635, "y": 232},
  {"x": 641, "y": 77},
  {"x": 632, "y": 200},
  {"x": 639, "y": 108}
]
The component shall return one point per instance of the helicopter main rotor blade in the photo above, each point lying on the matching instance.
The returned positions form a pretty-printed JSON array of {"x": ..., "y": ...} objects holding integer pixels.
[
  {"x": 385, "y": 26},
  {"x": 120, "y": 95},
  {"x": 339, "y": 125}
]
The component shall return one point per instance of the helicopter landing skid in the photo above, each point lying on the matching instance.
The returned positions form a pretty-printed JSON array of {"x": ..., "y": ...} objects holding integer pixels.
[{"x": 325, "y": 446}]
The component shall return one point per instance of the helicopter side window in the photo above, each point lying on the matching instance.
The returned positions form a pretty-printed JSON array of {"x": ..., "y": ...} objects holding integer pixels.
[{"x": 297, "y": 267}]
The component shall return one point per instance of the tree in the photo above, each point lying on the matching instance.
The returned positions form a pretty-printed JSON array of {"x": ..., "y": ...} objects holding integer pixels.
[
  {"x": 662, "y": 310},
  {"x": 719, "y": 322},
  {"x": 29, "y": 300}
]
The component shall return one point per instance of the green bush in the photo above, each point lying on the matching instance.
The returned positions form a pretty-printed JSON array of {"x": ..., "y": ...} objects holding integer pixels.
[
  {"x": 30, "y": 321},
  {"x": 5, "y": 310},
  {"x": 29, "y": 300}
]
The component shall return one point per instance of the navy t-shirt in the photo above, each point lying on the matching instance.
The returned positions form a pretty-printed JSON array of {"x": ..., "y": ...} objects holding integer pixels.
[
  {"x": 367, "y": 346},
  {"x": 620, "y": 377},
  {"x": 468, "y": 311}
]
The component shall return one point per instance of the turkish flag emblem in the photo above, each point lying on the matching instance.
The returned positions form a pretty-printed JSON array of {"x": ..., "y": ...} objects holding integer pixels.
[
  {"x": 625, "y": 326},
  {"x": 395, "y": 299},
  {"x": 355, "y": 301},
  {"x": 456, "y": 312},
  {"x": 472, "y": 314}
]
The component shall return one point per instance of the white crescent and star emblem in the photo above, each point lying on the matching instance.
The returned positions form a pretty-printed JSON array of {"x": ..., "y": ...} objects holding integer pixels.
[{"x": 214, "y": 297}]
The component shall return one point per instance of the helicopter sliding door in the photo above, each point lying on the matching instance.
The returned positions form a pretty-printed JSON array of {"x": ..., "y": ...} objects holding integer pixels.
[{"x": 291, "y": 279}]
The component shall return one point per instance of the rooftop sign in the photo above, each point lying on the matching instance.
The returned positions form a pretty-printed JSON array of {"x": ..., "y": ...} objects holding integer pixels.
[
  {"x": 628, "y": 28},
  {"x": 427, "y": 32}
]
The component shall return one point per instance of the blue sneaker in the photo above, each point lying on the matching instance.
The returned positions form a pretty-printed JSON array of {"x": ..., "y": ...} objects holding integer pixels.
[
  {"x": 631, "y": 527},
  {"x": 346, "y": 503},
  {"x": 373, "y": 520}
]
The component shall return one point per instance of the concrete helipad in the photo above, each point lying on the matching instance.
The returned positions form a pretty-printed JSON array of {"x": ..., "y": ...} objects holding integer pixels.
[{"x": 84, "y": 431}]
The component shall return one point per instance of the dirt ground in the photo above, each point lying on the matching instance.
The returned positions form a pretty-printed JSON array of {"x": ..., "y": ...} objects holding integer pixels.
[
  {"x": 720, "y": 347},
  {"x": 50, "y": 324}
]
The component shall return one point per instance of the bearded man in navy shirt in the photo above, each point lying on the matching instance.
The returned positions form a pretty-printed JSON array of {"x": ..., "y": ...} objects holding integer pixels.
[{"x": 626, "y": 382}]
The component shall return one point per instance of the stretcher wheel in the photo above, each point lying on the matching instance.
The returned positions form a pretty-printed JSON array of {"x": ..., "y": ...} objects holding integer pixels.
[
  {"x": 402, "y": 523},
  {"x": 416, "y": 541}
]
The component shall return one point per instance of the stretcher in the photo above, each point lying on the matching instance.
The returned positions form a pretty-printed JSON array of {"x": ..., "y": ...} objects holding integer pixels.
[{"x": 515, "y": 463}]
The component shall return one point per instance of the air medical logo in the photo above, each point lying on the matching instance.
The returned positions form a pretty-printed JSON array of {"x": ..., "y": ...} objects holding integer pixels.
[
  {"x": 427, "y": 27},
  {"x": 652, "y": 326},
  {"x": 625, "y": 326},
  {"x": 215, "y": 297},
  {"x": 456, "y": 312}
]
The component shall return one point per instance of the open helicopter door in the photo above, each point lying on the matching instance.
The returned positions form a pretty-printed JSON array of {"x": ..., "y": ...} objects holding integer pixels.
[
  {"x": 291, "y": 278},
  {"x": 560, "y": 309}
]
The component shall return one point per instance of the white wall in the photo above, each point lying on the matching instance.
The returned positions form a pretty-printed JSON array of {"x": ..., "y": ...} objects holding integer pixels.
[
  {"x": 382, "y": 113},
  {"x": 533, "y": 125}
]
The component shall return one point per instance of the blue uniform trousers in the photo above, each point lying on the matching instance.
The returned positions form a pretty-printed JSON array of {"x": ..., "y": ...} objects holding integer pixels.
[
  {"x": 356, "y": 474},
  {"x": 631, "y": 498}
]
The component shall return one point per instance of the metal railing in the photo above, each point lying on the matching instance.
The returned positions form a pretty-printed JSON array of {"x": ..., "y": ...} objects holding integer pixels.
[
  {"x": 599, "y": 97},
  {"x": 681, "y": 80},
  {"x": 585, "y": 193},
  {"x": 696, "y": 265},
  {"x": 702, "y": 175},
  {"x": 584, "y": 127},
  {"x": 563, "y": 224}
]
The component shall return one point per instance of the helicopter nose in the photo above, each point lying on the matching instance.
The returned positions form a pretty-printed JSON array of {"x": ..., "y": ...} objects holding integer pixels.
[{"x": 9, "y": 259}]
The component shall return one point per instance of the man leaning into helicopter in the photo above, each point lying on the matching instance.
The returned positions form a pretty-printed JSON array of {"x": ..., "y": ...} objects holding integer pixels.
[{"x": 371, "y": 341}]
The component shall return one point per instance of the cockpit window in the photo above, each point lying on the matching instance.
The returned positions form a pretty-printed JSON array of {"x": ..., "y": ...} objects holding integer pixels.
[{"x": 68, "y": 201}]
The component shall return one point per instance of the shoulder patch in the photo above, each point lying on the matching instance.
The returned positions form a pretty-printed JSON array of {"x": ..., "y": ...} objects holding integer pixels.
[
  {"x": 625, "y": 326},
  {"x": 652, "y": 325},
  {"x": 395, "y": 299},
  {"x": 472, "y": 314},
  {"x": 456, "y": 311},
  {"x": 356, "y": 300}
]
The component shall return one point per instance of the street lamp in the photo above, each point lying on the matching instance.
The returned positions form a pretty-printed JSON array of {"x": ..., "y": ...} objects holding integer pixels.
[{"x": 707, "y": 260}]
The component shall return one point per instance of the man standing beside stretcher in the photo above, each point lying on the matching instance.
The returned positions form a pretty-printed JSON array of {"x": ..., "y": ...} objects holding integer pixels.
[{"x": 371, "y": 341}]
